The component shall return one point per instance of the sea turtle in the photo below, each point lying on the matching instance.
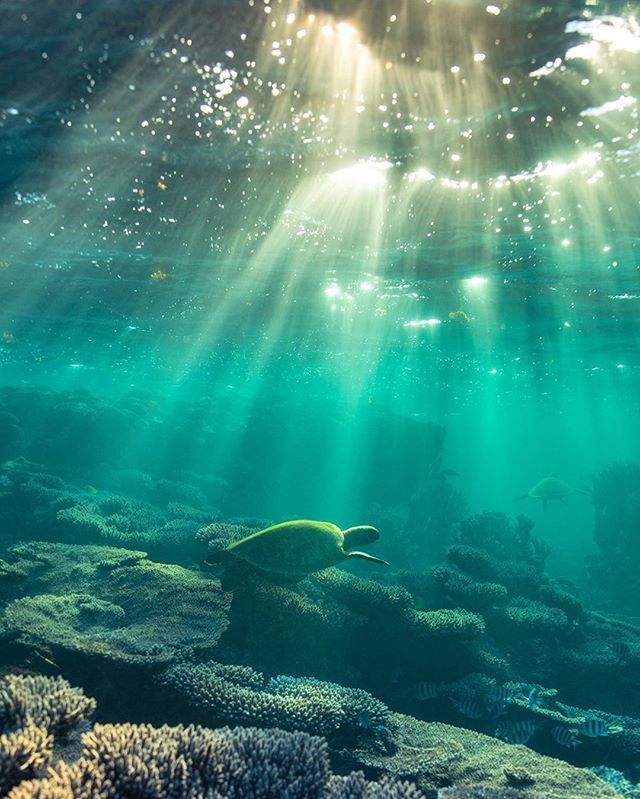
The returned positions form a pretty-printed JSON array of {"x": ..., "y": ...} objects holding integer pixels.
[
  {"x": 289, "y": 551},
  {"x": 548, "y": 488}
]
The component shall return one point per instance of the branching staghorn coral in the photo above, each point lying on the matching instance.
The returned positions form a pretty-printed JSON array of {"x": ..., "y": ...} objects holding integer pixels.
[
  {"x": 240, "y": 695},
  {"x": 530, "y": 618},
  {"x": 446, "y": 623},
  {"x": 367, "y": 597},
  {"x": 23, "y": 754},
  {"x": 198, "y": 763},
  {"x": 220, "y": 535},
  {"x": 467, "y": 592},
  {"x": 48, "y": 702},
  {"x": 356, "y": 786}
]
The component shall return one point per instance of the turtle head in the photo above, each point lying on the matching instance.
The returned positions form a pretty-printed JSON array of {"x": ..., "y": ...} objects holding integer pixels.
[{"x": 360, "y": 536}]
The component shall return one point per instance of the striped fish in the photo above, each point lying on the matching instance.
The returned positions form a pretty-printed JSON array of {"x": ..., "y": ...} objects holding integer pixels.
[
  {"x": 565, "y": 737},
  {"x": 620, "y": 649},
  {"x": 424, "y": 691},
  {"x": 598, "y": 728},
  {"x": 516, "y": 732},
  {"x": 502, "y": 694},
  {"x": 469, "y": 708}
]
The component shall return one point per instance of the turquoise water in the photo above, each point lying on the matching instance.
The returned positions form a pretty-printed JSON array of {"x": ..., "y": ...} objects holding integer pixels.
[{"x": 362, "y": 263}]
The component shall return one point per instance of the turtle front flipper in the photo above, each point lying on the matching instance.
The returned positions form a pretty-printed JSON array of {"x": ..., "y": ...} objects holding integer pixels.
[{"x": 366, "y": 556}]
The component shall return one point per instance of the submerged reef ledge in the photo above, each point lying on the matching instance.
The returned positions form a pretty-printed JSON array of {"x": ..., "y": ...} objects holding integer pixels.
[{"x": 39, "y": 717}]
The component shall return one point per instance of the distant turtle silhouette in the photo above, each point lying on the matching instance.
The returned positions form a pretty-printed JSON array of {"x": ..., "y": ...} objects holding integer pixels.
[
  {"x": 289, "y": 551},
  {"x": 549, "y": 488}
]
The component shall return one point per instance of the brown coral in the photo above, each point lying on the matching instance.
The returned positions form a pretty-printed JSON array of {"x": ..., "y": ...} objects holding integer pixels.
[
  {"x": 22, "y": 755},
  {"x": 48, "y": 702}
]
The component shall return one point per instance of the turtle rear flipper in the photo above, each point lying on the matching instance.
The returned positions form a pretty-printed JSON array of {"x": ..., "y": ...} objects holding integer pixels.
[
  {"x": 365, "y": 556},
  {"x": 216, "y": 557},
  {"x": 236, "y": 572}
]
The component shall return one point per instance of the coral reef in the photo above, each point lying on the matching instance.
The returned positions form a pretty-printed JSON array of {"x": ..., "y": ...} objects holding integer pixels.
[
  {"x": 446, "y": 623},
  {"x": 366, "y": 597},
  {"x": 47, "y": 507},
  {"x": 43, "y": 702},
  {"x": 240, "y": 695},
  {"x": 296, "y": 629},
  {"x": 198, "y": 762},
  {"x": 35, "y": 710},
  {"x": 618, "y": 781},
  {"x": 436, "y": 756},
  {"x": 502, "y": 540},
  {"x": 107, "y": 603},
  {"x": 479, "y": 793},
  {"x": 220, "y": 535},
  {"x": 467, "y": 592},
  {"x": 115, "y": 520},
  {"x": 195, "y": 762},
  {"x": 23, "y": 754}
]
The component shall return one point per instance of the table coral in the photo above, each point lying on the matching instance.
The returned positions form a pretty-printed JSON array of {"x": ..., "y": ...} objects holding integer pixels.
[
  {"x": 103, "y": 603},
  {"x": 435, "y": 756}
]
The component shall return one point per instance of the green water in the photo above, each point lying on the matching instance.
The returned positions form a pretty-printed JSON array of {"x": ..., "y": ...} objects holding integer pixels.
[{"x": 275, "y": 261}]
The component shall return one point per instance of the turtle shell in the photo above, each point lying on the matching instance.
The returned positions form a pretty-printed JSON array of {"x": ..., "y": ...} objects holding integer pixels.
[
  {"x": 293, "y": 548},
  {"x": 550, "y": 488}
]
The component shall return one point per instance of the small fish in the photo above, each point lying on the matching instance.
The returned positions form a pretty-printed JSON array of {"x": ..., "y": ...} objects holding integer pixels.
[
  {"x": 516, "y": 732},
  {"x": 598, "y": 728},
  {"x": 535, "y": 699},
  {"x": 565, "y": 737},
  {"x": 469, "y": 708},
  {"x": 424, "y": 691},
  {"x": 5, "y": 481},
  {"x": 620, "y": 649},
  {"x": 45, "y": 655},
  {"x": 502, "y": 694}
]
